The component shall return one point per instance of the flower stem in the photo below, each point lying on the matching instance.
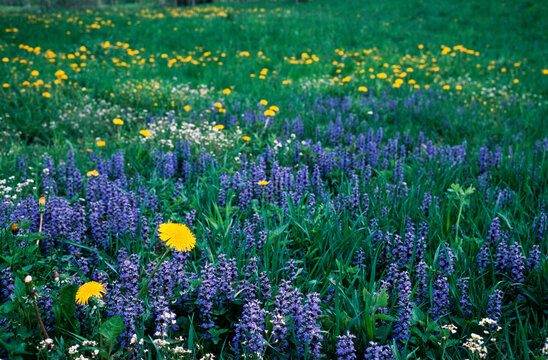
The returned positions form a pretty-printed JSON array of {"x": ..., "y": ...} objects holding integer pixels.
[
  {"x": 40, "y": 227},
  {"x": 145, "y": 285},
  {"x": 40, "y": 322},
  {"x": 458, "y": 221},
  {"x": 100, "y": 336}
]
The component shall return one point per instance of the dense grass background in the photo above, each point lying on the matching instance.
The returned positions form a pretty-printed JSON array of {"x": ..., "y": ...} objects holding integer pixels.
[{"x": 472, "y": 82}]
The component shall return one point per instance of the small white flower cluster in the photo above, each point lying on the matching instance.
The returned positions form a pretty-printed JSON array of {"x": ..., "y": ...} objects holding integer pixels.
[
  {"x": 74, "y": 350},
  {"x": 46, "y": 345},
  {"x": 170, "y": 348},
  {"x": 505, "y": 92},
  {"x": 6, "y": 190},
  {"x": 180, "y": 351},
  {"x": 278, "y": 145},
  {"x": 315, "y": 83},
  {"x": 490, "y": 324},
  {"x": 185, "y": 92},
  {"x": 160, "y": 342},
  {"x": 90, "y": 110},
  {"x": 450, "y": 328},
  {"x": 544, "y": 350},
  {"x": 168, "y": 317},
  {"x": 208, "y": 357},
  {"x": 134, "y": 340},
  {"x": 167, "y": 131},
  {"x": 475, "y": 345}
]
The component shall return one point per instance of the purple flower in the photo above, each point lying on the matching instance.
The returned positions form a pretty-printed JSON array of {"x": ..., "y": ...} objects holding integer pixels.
[
  {"x": 345, "y": 347},
  {"x": 249, "y": 331},
  {"x": 464, "y": 301},
  {"x": 378, "y": 352},
  {"x": 495, "y": 305},
  {"x": 440, "y": 297}
]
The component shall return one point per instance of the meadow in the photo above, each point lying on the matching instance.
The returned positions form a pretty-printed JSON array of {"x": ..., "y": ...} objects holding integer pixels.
[{"x": 272, "y": 180}]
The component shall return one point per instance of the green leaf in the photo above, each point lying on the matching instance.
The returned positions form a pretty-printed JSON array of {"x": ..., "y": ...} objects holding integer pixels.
[
  {"x": 382, "y": 300},
  {"x": 67, "y": 299},
  {"x": 19, "y": 287},
  {"x": 112, "y": 328},
  {"x": 385, "y": 317}
]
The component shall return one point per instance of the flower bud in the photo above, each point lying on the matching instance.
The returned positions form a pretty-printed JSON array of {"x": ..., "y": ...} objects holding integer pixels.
[
  {"x": 28, "y": 279},
  {"x": 42, "y": 201},
  {"x": 14, "y": 228}
]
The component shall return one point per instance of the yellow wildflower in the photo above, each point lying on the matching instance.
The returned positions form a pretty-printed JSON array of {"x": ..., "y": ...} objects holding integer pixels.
[
  {"x": 89, "y": 289},
  {"x": 177, "y": 236}
]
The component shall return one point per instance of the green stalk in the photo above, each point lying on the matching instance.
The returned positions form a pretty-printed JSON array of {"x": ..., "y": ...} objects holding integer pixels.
[
  {"x": 100, "y": 336},
  {"x": 145, "y": 285},
  {"x": 458, "y": 221}
]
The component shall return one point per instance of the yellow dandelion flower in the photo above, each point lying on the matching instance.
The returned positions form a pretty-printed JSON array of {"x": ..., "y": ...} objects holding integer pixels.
[
  {"x": 46, "y": 94},
  {"x": 544, "y": 71},
  {"x": 381, "y": 75},
  {"x": 262, "y": 183},
  {"x": 145, "y": 133},
  {"x": 362, "y": 89},
  {"x": 101, "y": 143},
  {"x": 516, "y": 81},
  {"x": 218, "y": 105},
  {"x": 274, "y": 108},
  {"x": 34, "y": 73},
  {"x": 187, "y": 108},
  {"x": 177, "y": 236},
  {"x": 263, "y": 102},
  {"x": 269, "y": 112},
  {"x": 226, "y": 91},
  {"x": 219, "y": 127},
  {"x": 5, "y": 85},
  {"x": 118, "y": 121},
  {"x": 89, "y": 289},
  {"x": 92, "y": 173},
  {"x": 246, "y": 138}
]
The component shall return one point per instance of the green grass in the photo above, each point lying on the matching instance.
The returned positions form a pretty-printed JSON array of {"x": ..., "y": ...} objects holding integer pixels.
[{"x": 157, "y": 68}]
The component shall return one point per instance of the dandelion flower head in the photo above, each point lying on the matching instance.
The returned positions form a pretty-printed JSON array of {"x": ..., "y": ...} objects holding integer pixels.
[
  {"x": 177, "y": 236},
  {"x": 89, "y": 289}
]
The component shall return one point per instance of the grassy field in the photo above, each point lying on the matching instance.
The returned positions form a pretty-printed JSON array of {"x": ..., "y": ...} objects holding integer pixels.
[{"x": 362, "y": 179}]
